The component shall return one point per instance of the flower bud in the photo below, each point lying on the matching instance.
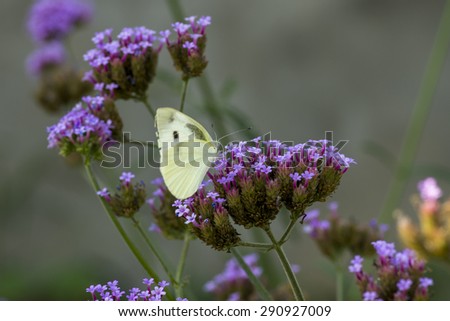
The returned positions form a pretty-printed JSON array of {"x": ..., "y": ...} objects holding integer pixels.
[
  {"x": 128, "y": 199},
  {"x": 164, "y": 213}
]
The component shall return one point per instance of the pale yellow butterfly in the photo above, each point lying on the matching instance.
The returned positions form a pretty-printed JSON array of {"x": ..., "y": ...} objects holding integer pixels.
[{"x": 186, "y": 151}]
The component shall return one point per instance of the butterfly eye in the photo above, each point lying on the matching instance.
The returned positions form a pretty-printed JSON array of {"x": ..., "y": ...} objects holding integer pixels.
[{"x": 175, "y": 135}]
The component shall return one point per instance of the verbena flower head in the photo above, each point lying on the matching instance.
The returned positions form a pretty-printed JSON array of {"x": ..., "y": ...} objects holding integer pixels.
[
  {"x": 105, "y": 109},
  {"x": 256, "y": 178},
  {"x": 123, "y": 67},
  {"x": 128, "y": 199},
  {"x": 55, "y": 19},
  {"x": 187, "y": 50},
  {"x": 334, "y": 235},
  {"x": 208, "y": 219},
  {"x": 232, "y": 283},
  {"x": 112, "y": 292},
  {"x": 80, "y": 131},
  {"x": 44, "y": 58},
  {"x": 431, "y": 238},
  {"x": 252, "y": 180},
  {"x": 398, "y": 275},
  {"x": 164, "y": 213}
]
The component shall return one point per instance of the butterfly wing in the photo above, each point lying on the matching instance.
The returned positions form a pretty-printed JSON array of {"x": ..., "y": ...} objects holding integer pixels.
[{"x": 186, "y": 150}]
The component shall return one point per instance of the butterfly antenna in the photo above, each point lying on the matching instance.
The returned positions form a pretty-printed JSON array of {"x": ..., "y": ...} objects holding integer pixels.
[{"x": 215, "y": 134}]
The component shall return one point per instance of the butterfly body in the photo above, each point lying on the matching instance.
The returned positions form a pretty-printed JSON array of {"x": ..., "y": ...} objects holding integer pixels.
[{"x": 186, "y": 151}]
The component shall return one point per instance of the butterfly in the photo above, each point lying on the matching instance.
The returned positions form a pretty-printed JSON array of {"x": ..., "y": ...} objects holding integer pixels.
[{"x": 186, "y": 151}]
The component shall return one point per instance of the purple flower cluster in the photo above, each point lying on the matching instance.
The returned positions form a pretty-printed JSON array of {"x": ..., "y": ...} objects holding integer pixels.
[
  {"x": 233, "y": 284},
  {"x": 188, "y": 34},
  {"x": 80, "y": 131},
  {"x": 208, "y": 218},
  {"x": 187, "y": 50},
  {"x": 128, "y": 199},
  {"x": 399, "y": 275},
  {"x": 47, "y": 56},
  {"x": 55, "y": 19},
  {"x": 112, "y": 291},
  {"x": 252, "y": 180},
  {"x": 124, "y": 66},
  {"x": 334, "y": 235}
]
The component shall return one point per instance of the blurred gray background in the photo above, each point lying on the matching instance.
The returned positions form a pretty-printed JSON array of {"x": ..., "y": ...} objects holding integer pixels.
[{"x": 301, "y": 68}]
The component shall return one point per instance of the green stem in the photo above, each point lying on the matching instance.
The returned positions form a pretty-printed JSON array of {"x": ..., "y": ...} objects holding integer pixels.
[
  {"x": 181, "y": 264},
  {"x": 297, "y": 291},
  {"x": 175, "y": 10},
  {"x": 339, "y": 282},
  {"x": 259, "y": 287},
  {"x": 183, "y": 94},
  {"x": 261, "y": 246},
  {"x": 288, "y": 231},
  {"x": 419, "y": 116},
  {"x": 148, "y": 106},
  {"x": 154, "y": 250},
  {"x": 119, "y": 227}
]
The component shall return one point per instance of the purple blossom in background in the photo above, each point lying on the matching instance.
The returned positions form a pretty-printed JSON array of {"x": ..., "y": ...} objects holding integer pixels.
[
  {"x": 399, "y": 275},
  {"x": 404, "y": 284},
  {"x": 55, "y": 19},
  {"x": 51, "y": 54},
  {"x": 425, "y": 282},
  {"x": 112, "y": 292},
  {"x": 429, "y": 189},
  {"x": 370, "y": 296},
  {"x": 356, "y": 264},
  {"x": 233, "y": 280}
]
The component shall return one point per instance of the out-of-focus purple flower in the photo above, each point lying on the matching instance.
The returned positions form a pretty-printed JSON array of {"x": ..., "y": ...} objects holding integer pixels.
[
  {"x": 334, "y": 235},
  {"x": 429, "y": 189},
  {"x": 370, "y": 296},
  {"x": 112, "y": 292},
  {"x": 425, "y": 283},
  {"x": 55, "y": 19},
  {"x": 356, "y": 264},
  {"x": 404, "y": 284},
  {"x": 233, "y": 281},
  {"x": 49, "y": 55}
]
